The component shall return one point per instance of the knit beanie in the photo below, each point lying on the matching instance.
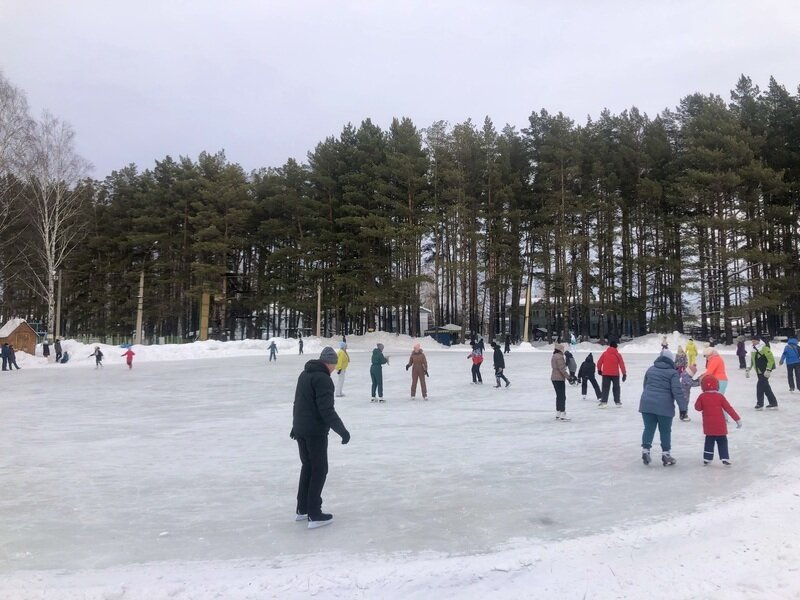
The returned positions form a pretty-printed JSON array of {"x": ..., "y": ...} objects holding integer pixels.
[
  {"x": 328, "y": 356},
  {"x": 709, "y": 384}
]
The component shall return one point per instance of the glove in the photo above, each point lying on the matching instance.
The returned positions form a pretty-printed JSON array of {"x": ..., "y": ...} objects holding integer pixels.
[
  {"x": 292, "y": 435},
  {"x": 624, "y": 377},
  {"x": 407, "y": 367},
  {"x": 339, "y": 372},
  {"x": 738, "y": 424},
  {"x": 747, "y": 373},
  {"x": 767, "y": 373},
  {"x": 426, "y": 374},
  {"x": 346, "y": 437}
]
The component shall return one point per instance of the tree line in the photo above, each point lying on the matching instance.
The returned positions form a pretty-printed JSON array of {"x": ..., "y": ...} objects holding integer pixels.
[{"x": 687, "y": 220}]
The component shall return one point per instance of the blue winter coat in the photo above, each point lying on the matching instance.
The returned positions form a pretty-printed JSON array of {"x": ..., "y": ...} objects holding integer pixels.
[
  {"x": 791, "y": 353},
  {"x": 662, "y": 389}
]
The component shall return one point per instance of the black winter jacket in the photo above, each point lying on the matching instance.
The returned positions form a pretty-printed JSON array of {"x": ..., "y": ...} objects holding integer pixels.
[
  {"x": 499, "y": 361},
  {"x": 587, "y": 369},
  {"x": 313, "y": 402}
]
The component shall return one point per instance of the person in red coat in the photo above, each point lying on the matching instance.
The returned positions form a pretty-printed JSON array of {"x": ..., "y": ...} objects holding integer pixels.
[
  {"x": 610, "y": 365},
  {"x": 712, "y": 404},
  {"x": 129, "y": 354}
]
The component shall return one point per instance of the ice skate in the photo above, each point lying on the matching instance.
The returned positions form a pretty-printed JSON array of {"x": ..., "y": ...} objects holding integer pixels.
[
  {"x": 759, "y": 407},
  {"x": 381, "y": 400},
  {"x": 726, "y": 462},
  {"x": 645, "y": 456},
  {"x": 667, "y": 460},
  {"x": 508, "y": 383},
  {"x": 564, "y": 417},
  {"x": 320, "y": 521},
  {"x": 583, "y": 397},
  {"x": 772, "y": 407},
  {"x": 602, "y": 405},
  {"x": 299, "y": 517},
  {"x": 374, "y": 400}
]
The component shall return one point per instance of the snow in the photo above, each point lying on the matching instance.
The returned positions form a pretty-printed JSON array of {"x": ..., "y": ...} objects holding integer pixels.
[
  {"x": 176, "y": 479},
  {"x": 7, "y": 329}
]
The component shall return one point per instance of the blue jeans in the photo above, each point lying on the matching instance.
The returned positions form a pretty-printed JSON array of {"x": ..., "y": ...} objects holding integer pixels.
[{"x": 664, "y": 424}]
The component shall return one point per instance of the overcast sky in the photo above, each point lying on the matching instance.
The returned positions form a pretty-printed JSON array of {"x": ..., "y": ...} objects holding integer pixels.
[{"x": 267, "y": 80}]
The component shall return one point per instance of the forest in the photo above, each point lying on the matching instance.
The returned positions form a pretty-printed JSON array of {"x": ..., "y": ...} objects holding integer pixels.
[{"x": 687, "y": 220}]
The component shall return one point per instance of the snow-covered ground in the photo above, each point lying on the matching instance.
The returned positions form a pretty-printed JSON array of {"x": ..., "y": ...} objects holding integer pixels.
[{"x": 177, "y": 480}]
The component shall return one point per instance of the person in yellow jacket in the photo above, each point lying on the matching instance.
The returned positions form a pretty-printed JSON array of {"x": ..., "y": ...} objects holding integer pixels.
[
  {"x": 341, "y": 367},
  {"x": 691, "y": 352}
]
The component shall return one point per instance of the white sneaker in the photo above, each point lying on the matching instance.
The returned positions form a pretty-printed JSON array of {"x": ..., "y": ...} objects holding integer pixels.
[{"x": 299, "y": 517}]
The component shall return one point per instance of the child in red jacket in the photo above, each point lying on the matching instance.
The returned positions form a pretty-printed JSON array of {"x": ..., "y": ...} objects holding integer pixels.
[{"x": 712, "y": 404}]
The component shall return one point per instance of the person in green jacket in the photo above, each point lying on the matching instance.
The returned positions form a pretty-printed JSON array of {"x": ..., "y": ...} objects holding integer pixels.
[
  {"x": 762, "y": 360},
  {"x": 376, "y": 372}
]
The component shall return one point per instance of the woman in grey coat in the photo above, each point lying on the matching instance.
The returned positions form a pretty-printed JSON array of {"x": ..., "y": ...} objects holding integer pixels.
[
  {"x": 559, "y": 376},
  {"x": 662, "y": 390}
]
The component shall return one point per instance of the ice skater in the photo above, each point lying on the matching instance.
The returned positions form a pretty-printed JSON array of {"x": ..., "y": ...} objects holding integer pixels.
[
  {"x": 610, "y": 366},
  {"x": 713, "y": 405},
  {"x": 4, "y": 355},
  {"x": 763, "y": 362},
  {"x": 57, "y": 348},
  {"x": 791, "y": 356},
  {"x": 300, "y": 345},
  {"x": 273, "y": 351},
  {"x": 508, "y": 344},
  {"x": 343, "y": 360},
  {"x": 98, "y": 357},
  {"x": 46, "y": 349},
  {"x": 418, "y": 364},
  {"x": 681, "y": 360},
  {"x": 499, "y": 365},
  {"x": 376, "y": 372},
  {"x": 660, "y": 393},
  {"x": 313, "y": 417},
  {"x": 691, "y": 351},
  {"x": 572, "y": 366},
  {"x": 688, "y": 381},
  {"x": 586, "y": 375},
  {"x": 129, "y": 354},
  {"x": 741, "y": 352},
  {"x": 477, "y": 359},
  {"x": 715, "y": 367},
  {"x": 558, "y": 377},
  {"x": 12, "y": 358}
]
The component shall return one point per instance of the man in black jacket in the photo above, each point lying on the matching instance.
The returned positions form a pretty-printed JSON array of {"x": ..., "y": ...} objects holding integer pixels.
[
  {"x": 499, "y": 365},
  {"x": 314, "y": 416}
]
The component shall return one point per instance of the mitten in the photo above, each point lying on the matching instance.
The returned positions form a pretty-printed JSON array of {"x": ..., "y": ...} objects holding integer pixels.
[
  {"x": 624, "y": 377},
  {"x": 407, "y": 367},
  {"x": 292, "y": 435},
  {"x": 426, "y": 374},
  {"x": 738, "y": 424},
  {"x": 339, "y": 371},
  {"x": 345, "y": 437}
]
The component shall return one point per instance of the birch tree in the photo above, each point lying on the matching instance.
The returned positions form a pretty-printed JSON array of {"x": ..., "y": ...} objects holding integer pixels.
[
  {"x": 15, "y": 129},
  {"x": 53, "y": 174}
]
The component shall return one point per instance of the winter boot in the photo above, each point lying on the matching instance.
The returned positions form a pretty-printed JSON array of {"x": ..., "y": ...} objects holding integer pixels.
[
  {"x": 646, "y": 456},
  {"x": 320, "y": 520},
  {"x": 667, "y": 460}
]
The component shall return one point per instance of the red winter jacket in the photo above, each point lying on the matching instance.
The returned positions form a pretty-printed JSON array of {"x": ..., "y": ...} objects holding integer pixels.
[
  {"x": 610, "y": 363},
  {"x": 711, "y": 404}
]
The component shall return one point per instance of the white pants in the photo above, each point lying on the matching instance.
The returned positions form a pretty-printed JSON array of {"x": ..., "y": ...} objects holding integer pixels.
[{"x": 340, "y": 384}]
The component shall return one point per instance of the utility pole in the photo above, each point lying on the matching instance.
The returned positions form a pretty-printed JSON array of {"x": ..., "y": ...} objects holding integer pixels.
[
  {"x": 58, "y": 306},
  {"x": 137, "y": 335},
  {"x": 319, "y": 309},
  {"x": 527, "y": 309}
]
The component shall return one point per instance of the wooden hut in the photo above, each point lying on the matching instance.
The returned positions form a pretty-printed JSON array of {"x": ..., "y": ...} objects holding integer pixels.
[{"x": 17, "y": 333}]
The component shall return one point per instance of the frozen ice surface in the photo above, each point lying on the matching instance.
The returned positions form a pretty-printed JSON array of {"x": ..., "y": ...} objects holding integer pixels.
[{"x": 190, "y": 460}]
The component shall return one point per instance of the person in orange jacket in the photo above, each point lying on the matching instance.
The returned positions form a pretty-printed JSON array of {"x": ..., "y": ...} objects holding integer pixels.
[
  {"x": 715, "y": 367},
  {"x": 419, "y": 371},
  {"x": 129, "y": 354},
  {"x": 610, "y": 365}
]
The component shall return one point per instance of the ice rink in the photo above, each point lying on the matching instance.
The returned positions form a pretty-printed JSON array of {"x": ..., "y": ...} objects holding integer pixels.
[{"x": 179, "y": 461}]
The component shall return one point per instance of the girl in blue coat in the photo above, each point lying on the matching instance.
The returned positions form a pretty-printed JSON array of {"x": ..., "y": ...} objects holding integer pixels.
[
  {"x": 662, "y": 391},
  {"x": 791, "y": 356}
]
